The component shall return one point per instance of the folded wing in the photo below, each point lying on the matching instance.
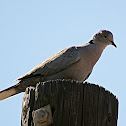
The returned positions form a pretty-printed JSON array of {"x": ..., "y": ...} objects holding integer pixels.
[{"x": 58, "y": 62}]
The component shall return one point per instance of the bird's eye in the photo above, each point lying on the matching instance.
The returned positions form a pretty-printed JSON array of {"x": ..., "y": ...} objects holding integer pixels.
[{"x": 105, "y": 36}]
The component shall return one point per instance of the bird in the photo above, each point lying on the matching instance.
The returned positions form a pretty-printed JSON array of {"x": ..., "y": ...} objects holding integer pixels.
[{"x": 73, "y": 63}]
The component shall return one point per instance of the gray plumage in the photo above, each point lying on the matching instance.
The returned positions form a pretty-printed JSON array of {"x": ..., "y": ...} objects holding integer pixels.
[{"x": 75, "y": 63}]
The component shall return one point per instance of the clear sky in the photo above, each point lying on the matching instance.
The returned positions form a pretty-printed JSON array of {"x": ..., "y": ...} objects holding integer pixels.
[{"x": 31, "y": 31}]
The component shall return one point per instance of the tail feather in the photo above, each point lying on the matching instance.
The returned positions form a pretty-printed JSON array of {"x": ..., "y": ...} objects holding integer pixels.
[{"x": 9, "y": 92}]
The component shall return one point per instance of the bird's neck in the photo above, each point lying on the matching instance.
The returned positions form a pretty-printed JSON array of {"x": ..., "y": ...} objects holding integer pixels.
[
  {"x": 94, "y": 52},
  {"x": 97, "y": 51},
  {"x": 101, "y": 45}
]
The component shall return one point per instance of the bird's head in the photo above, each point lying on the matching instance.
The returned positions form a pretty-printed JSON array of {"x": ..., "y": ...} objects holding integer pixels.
[{"x": 105, "y": 37}]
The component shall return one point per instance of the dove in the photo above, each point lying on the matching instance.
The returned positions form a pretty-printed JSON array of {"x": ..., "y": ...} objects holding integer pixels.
[{"x": 74, "y": 63}]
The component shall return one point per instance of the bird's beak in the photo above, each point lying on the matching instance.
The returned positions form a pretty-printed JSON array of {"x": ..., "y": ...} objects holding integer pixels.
[{"x": 113, "y": 44}]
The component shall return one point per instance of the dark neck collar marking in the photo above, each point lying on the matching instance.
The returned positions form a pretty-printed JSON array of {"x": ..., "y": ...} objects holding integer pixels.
[{"x": 91, "y": 42}]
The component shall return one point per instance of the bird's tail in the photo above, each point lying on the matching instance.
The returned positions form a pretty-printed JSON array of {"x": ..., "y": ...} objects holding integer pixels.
[{"x": 13, "y": 90}]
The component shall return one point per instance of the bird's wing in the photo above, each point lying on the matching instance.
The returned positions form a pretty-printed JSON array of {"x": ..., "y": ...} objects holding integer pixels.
[{"x": 58, "y": 62}]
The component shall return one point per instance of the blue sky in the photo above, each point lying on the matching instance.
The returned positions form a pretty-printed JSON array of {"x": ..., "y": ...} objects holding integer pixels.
[{"x": 32, "y": 31}]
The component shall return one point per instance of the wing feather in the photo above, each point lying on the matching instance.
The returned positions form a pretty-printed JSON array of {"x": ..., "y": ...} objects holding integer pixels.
[{"x": 58, "y": 62}]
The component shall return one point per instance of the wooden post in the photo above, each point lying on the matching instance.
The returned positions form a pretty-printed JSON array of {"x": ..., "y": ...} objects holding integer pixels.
[{"x": 72, "y": 104}]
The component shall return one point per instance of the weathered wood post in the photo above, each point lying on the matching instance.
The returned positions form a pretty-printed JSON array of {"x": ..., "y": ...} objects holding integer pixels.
[{"x": 70, "y": 104}]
